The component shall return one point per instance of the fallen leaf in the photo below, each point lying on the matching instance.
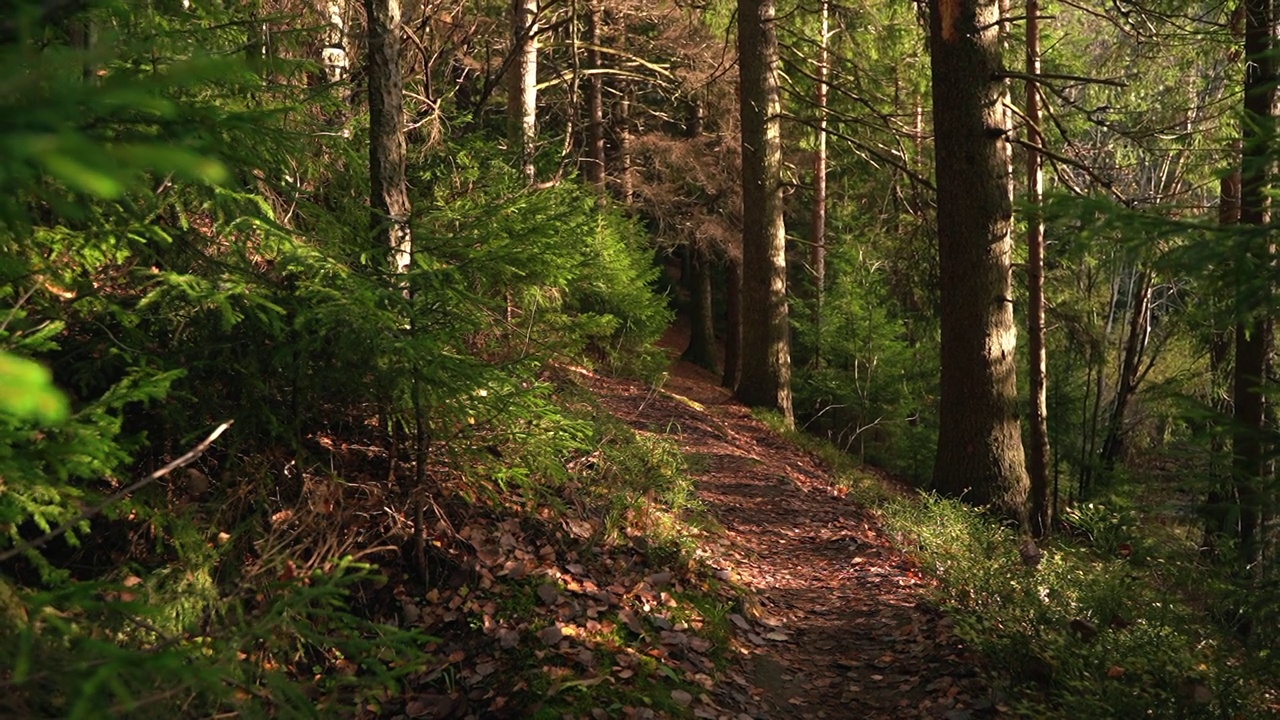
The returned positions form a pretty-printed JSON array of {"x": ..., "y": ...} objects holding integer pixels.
[
  {"x": 629, "y": 617},
  {"x": 551, "y": 635},
  {"x": 508, "y": 638},
  {"x": 430, "y": 706},
  {"x": 548, "y": 593},
  {"x": 659, "y": 579}
]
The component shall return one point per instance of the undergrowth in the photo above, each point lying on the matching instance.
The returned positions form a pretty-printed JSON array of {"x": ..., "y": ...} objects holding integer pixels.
[
  {"x": 1102, "y": 627},
  {"x": 182, "y": 245}
]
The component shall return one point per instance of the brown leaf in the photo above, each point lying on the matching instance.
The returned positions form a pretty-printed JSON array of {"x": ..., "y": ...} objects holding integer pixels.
[
  {"x": 628, "y": 616},
  {"x": 508, "y": 638},
  {"x": 659, "y": 580},
  {"x": 551, "y": 635},
  {"x": 682, "y": 698},
  {"x": 548, "y": 593},
  {"x": 430, "y": 706}
]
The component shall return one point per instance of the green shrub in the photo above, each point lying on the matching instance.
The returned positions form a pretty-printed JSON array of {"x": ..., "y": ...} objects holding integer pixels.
[{"x": 1078, "y": 635}]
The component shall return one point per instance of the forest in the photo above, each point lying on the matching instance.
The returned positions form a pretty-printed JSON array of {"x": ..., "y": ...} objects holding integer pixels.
[{"x": 719, "y": 359}]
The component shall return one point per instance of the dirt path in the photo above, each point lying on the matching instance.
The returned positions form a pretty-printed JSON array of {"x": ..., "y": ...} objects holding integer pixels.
[{"x": 839, "y": 627}]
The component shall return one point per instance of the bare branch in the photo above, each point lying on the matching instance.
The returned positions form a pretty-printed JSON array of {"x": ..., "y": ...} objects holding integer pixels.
[{"x": 186, "y": 459}]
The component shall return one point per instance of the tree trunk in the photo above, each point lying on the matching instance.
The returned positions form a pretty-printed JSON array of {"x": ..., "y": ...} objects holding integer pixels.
[
  {"x": 389, "y": 191},
  {"x": 593, "y": 164},
  {"x": 626, "y": 186},
  {"x": 522, "y": 99},
  {"x": 819, "y": 225},
  {"x": 1038, "y": 453},
  {"x": 334, "y": 55},
  {"x": 702, "y": 334},
  {"x": 733, "y": 333},
  {"x": 702, "y": 329},
  {"x": 1135, "y": 348},
  {"x": 1254, "y": 331},
  {"x": 1215, "y": 511},
  {"x": 766, "y": 351},
  {"x": 980, "y": 453}
]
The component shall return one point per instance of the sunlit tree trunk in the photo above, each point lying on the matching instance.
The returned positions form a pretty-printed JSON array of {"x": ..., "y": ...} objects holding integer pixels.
[
  {"x": 980, "y": 454},
  {"x": 522, "y": 98},
  {"x": 626, "y": 184},
  {"x": 765, "y": 379},
  {"x": 1254, "y": 331},
  {"x": 593, "y": 164},
  {"x": 389, "y": 192},
  {"x": 818, "y": 236},
  {"x": 1038, "y": 451},
  {"x": 334, "y": 56}
]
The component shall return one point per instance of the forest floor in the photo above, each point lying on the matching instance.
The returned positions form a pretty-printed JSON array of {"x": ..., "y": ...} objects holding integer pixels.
[
  {"x": 837, "y": 622},
  {"x": 792, "y": 601}
]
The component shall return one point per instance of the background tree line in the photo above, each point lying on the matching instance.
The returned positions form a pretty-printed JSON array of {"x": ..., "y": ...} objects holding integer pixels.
[{"x": 386, "y": 219}]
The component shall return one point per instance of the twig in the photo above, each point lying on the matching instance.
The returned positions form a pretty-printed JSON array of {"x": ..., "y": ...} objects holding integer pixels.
[
  {"x": 1042, "y": 77},
  {"x": 186, "y": 459}
]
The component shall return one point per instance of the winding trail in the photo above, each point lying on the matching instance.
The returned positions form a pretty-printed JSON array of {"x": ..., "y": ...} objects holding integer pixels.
[{"x": 837, "y": 625}]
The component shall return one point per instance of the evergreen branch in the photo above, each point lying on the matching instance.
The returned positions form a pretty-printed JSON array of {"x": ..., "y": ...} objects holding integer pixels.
[
  {"x": 186, "y": 459},
  {"x": 915, "y": 177}
]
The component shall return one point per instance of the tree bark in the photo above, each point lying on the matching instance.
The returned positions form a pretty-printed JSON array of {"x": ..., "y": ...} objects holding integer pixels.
[
  {"x": 334, "y": 55},
  {"x": 593, "y": 164},
  {"x": 766, "y": 348},
  {"x": 701, "y": 350},
  {"x": 1216, "y": 508},
  {"x": 389, "y": 190},
  {"x": 1038, "y": 453},
  {"x": 1254, "y": 330},
  {"x": 626, "y": 184},
  {"x": 733, "y": 333},
  {"x": 1135, "y": 348},
  {"x": 1042, "y": 509},
  {"x": 980, "y": 454},
  {"x": 818, "y": 230},
  {"x": 522, "y": 98}
]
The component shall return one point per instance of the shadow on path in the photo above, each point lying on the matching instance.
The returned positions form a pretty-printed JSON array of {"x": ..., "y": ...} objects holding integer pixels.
[{"x": 836, "y": 625}]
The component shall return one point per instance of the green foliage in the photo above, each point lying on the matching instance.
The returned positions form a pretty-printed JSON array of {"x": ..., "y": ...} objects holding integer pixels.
[
  {"x": 27, "y": 391},
  {"x": 183, "y": 241},
  {"x": 578, "y": 276},
  {"x": 108, "y": 649},
  {"x": 1081, "y": 634},
  {"x": 872, "y": 393}
]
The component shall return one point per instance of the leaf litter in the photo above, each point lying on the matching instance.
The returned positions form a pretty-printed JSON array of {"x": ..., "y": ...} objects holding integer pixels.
[{"x": 828, "y": 619}]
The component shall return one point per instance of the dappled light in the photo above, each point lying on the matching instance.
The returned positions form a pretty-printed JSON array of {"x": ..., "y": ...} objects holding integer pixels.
[{"x": 638, "y": 360}]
